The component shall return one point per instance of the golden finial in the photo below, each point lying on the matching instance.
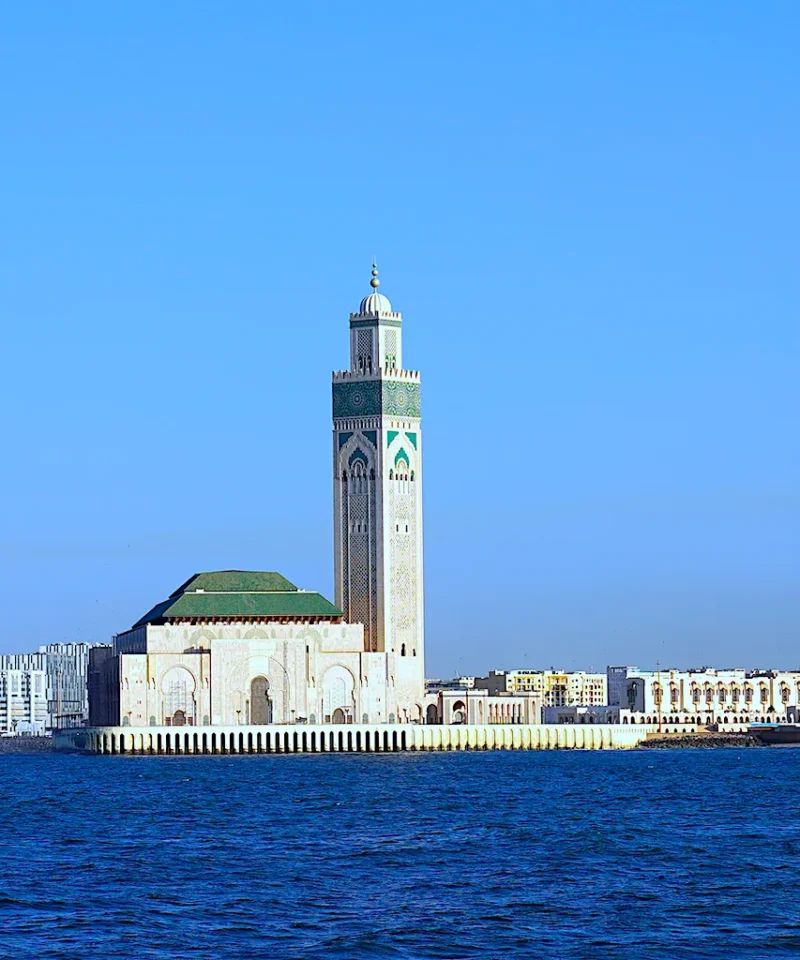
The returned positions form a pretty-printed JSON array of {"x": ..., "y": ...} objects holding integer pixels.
[{"x": 374, "y": 282}]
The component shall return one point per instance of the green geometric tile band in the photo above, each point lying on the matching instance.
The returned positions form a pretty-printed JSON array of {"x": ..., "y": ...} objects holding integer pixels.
[
  {"x": 374, "y": 398},
  {"x": 380, "y": 322}
]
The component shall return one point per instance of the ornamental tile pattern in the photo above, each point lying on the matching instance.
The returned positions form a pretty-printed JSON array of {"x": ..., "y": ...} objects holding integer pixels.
[{"x": 373, "y": 398}]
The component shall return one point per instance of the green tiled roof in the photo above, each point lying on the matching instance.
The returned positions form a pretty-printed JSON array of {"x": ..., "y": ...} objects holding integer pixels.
[
  {"x": 236, "y": 581},
  {"x": 235, "y": 594}
]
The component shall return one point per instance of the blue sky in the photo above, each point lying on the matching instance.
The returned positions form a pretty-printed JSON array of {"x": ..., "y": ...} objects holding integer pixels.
[{"x": 587, "y": 213}]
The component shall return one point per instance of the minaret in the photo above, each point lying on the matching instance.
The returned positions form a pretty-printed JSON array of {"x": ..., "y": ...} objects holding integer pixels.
[{"x": 377, "y": 471}]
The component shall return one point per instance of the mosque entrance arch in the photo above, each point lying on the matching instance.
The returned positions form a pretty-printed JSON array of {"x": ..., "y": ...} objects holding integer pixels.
[
  {"x": 338, "y": 715},
  {"x": 178, "y": 697},
  {"x": 260, "y": 702}
]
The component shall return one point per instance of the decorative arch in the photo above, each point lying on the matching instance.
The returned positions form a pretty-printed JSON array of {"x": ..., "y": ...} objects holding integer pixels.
[
  {"x": 338, "y": 693},
  {"x": 358, "y": 456},
  {"x": 178, "y": 688}
]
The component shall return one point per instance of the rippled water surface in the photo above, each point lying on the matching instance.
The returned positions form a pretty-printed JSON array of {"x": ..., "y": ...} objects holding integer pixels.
[{"x": 549, "y": 855}]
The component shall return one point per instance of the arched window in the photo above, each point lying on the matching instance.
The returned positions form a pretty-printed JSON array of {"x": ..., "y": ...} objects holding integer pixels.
[
  {"x": 338, "y": 686},
  {"x": 402, "y": 650},
  {"x": 358, "y": 476}
]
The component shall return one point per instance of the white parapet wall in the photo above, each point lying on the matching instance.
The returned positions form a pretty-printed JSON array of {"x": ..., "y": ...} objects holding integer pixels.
[{"x": 350, "y": 738}]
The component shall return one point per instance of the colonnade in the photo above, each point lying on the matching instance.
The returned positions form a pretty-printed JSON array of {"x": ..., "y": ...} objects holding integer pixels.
[{"x": 355, "y": 738}]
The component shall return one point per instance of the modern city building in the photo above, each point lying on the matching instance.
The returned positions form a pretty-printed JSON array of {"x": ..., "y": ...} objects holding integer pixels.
[
  {"x": 23, "y": 694},
  {"x": 555, "y": 688},
  {"x": 46, "y": 690},
  {"x": 67, "y": 683}
]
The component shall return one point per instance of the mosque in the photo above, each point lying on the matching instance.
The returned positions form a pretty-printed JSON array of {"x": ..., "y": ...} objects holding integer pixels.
[{"x": 237, "y": 647}]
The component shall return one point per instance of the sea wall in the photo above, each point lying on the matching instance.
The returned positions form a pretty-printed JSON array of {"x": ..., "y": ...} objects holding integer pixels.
[
  {"x": 23, "y": 744},
  {"x": 352, "y": 738}
]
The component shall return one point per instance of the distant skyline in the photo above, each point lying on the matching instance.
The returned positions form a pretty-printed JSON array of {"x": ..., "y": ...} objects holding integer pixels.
[{"x": 587, "y": 216}]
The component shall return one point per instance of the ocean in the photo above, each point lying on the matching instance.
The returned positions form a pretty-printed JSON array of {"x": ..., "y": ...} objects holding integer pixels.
[{"x": 556, "y": 854}]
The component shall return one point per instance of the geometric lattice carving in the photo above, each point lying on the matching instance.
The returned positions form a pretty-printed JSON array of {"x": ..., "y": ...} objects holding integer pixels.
[
  {"x": 359, "y": 542},
  {"x": 390, "y": 349},
  {"x": 364, "y": 351},
  {"x": 403, "y": 561}
]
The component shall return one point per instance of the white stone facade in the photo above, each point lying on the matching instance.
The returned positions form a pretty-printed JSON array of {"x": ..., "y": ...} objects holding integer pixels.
[
  {"x": 705, "y": 696},
  {"x": 221, "y": 674},
  {"x": 479, "y": 707}
]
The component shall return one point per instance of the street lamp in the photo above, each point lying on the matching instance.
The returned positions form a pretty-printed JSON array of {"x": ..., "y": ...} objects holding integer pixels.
[{"x": 285, "y": 690}]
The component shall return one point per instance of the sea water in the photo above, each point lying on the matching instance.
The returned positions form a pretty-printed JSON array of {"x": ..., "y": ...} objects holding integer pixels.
[{"x": 563, "y": 854}]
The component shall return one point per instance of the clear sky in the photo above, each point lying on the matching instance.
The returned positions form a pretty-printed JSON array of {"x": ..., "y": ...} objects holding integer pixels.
[{"x": 588, "y": 215}]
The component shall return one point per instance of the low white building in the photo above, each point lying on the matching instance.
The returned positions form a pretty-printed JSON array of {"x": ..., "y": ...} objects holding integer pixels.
[
  {"x": 476, "y": 706},
  {"x": 604, "y": 714},
  {"x": 704, "y": 696}
]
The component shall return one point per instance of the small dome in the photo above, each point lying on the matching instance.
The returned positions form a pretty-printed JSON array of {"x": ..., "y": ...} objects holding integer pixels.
[{"x": 375, "y": 303}]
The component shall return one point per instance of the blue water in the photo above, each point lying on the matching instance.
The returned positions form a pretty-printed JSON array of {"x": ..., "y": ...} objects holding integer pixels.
[{"x": 666, "y": 854}]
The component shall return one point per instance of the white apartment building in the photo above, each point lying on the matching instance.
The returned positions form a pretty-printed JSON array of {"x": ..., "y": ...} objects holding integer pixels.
[
  {"x": 45, "y": 690},
  {"x": 704, "y": 695},
  {"x": 23, "y": 693},
  {"x": 67, "y": 683},
  {"x": 555, "y": 688}
]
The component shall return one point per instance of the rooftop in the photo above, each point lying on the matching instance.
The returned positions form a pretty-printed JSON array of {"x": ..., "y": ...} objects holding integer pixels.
[{"x": 240, "y": 595}]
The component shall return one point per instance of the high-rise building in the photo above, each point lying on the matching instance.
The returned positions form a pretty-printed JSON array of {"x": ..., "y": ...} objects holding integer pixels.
[
  {"x": 67, "y": 683},
  {"x": 377, "y": 467},
  {"x": 46, "y": 690}
]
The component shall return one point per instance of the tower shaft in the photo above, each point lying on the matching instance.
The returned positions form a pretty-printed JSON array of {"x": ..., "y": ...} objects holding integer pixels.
[{"x": 377, "y": 467}]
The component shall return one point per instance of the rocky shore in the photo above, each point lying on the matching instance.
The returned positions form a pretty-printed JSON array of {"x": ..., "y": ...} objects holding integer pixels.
[
  {"x": 26, "y": 744},
  {"x": 679, "y": 740}
]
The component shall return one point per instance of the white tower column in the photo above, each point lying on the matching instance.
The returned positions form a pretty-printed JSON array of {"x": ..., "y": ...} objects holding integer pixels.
[{"x": 377, "y": 469}]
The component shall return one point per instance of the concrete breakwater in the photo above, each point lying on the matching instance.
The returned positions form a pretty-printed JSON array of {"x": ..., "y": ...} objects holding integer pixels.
[
  {"x": 26, "y": 745},
  {"x": 350, "y": 738},
  {"x": 702, "y": 740}
]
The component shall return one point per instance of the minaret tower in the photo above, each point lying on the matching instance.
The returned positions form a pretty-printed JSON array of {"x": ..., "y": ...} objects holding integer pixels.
[{"x": 377, "y": 484}]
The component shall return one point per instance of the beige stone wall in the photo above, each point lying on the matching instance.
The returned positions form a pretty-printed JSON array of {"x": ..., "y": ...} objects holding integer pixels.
[{"x": 316, "y": 673}]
